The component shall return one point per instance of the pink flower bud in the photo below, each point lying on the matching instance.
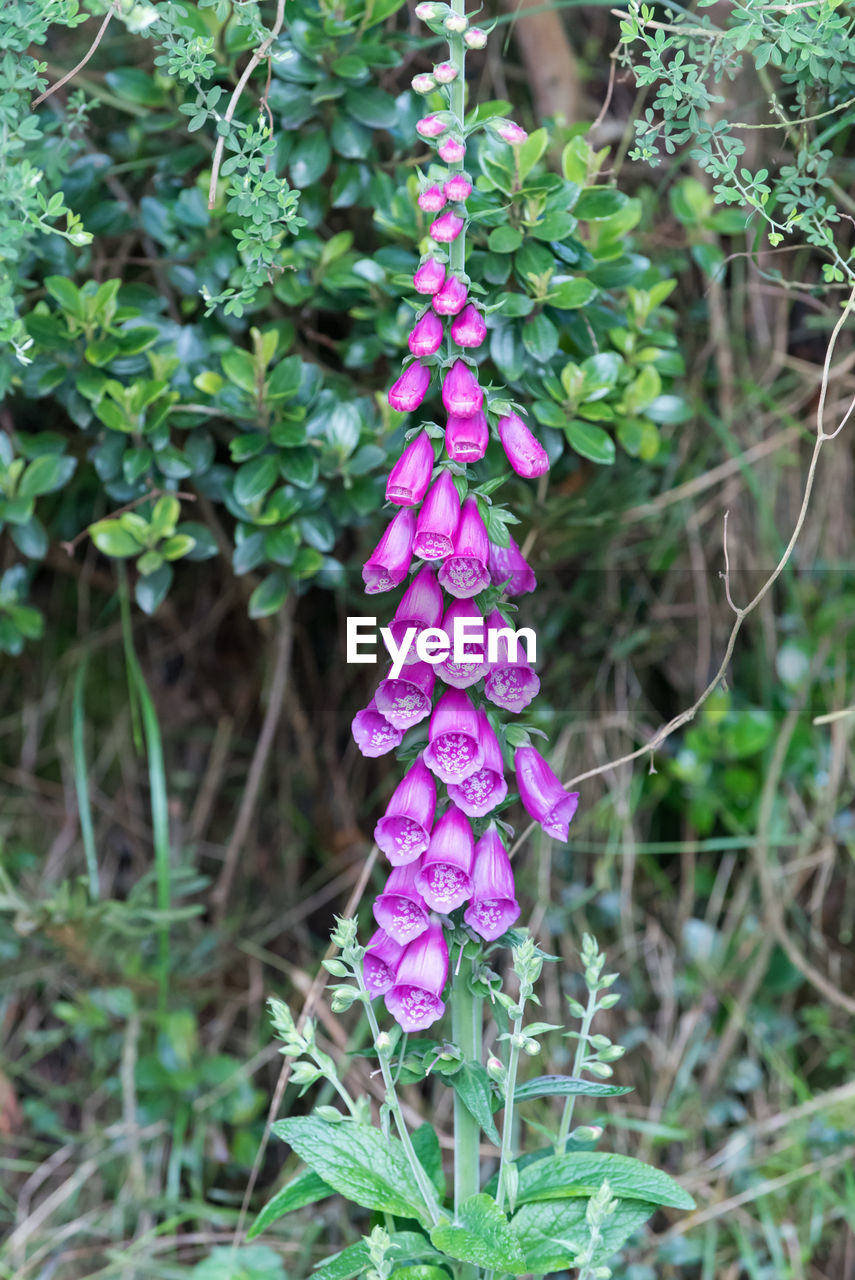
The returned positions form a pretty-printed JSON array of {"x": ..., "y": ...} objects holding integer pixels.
[
  {"x": 494, "y": 907},
  {"x": 430, "y": 276},
  {"x": 511, "y": 132},
  {"x": 458, "y": 187},
  {"x": 420, "y": 609},
  {"x": 403, "y": 833},
  {"x": 380, "y": 963},
  {"x": 461, "y": 393},
  {"x": 447, "y": 227},
  {"x": 432, "y": 199},
  {"x": 430, "y": 127},
  {"x": 542, "y": 794},
  {"x": 445, "y": 72},
  {"x": 438, "y": 519},
  {"x": 407, "y": 700},
  {"x": 409, "y": 478},
  {"x": 423, "y": 83},
  {"x": 466, "y": 439},
  {"x": 426, "y": 336},
  {"x": 451, "y": 150},
  {"x": 451, "y": 298},
  {"x": 372, "y": 732},
  {"x": 469, "y": 328},
  {"x": 388, "y": 563},
  {"x": 414, "y": 1001},
  {"x": 443, "y": 879},
  {"x": 426, "y": 11},
  {"x": 464, "y": 573},
  {"x": 456, "y": 23},
  {"x": 526, "y": 455},
  {"x": 454, "y": 749},
  {"x": 483, "y": 791},
  {"x": 399, "y": 909},
  {"x": 410, "y": 389},
  {"x": 476, "y": 38},
  {"x": 509, "y": 568}
]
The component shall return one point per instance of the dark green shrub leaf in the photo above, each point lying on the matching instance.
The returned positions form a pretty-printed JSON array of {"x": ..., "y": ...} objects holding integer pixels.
[
  {"x": 45, "y": 474},
  {"x": 269, "y": 596}
]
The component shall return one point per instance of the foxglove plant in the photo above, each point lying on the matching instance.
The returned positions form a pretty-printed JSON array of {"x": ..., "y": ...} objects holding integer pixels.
[{"x": 449, "y": 902}]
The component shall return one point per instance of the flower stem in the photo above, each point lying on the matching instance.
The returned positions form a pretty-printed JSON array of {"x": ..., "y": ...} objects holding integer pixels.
[
  {"x": 508, "y": 1122},
  {"x": 466, "y": 1031},
  {"x": 578, "y": 1060},
  {"x": 457, "y": 106}
]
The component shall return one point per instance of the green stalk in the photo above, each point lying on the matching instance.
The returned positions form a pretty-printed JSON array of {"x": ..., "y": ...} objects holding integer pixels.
[
  {"x": 578, "y": 1060},
  {"x": 81, "y": 779},
  {"x": 457, "y": 106},
  {"x": 466, "y": 1033},
  {"x": 507, "y": 1158}
]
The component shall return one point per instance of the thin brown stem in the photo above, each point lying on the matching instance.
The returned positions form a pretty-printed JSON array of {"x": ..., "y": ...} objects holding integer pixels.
[{"x": 69, "y": 75}]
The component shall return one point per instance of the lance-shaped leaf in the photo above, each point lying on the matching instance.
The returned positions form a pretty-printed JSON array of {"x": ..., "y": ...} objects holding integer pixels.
[
  {"x": 480, "y": 1235},
  {"x": 551, "y": 1235},
  {"x": 306, "y": 1188},
  {"x": 408, "y": 1246},
  {"x": 472, "y": 1085},
  {"x": 555, "y": 1086},
  {"x": 581, "y": 1173}
]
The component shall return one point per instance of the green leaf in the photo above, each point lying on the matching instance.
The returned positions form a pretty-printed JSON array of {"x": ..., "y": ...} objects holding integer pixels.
[
  {"x": 114, "y": 539},
  {"x": 426, "y": 1145},
  {"x": 643, "y": 390},
  {"x": 309, "y": 159},
  {"x": 591, "y": 441},
  {"x": 151, "y": 589},
  {"x": 480, "y": 1235},
  {"x": 504, "y": 239},
  {"x": 300, "y": 466},
  {"x": 358, "y": 1161},
  {"x": 30, "y": 537},
  {"x": 67, "y": 294},
  {"x": 474, "y": 1088},
  {"x": 239, "y": 368},
  {"x": 306, "y": 1188},
  {"x": 598, "y": 203},
  {"x": 409, "y": 1246},
  {"x": 135, "y": 85},
  {"x": 252, "y": 1262},
  {"x": 540, "y": 338},
  {"x": 581, "y": 1173},
  {"x": 253, "y": 479},
  {"x": 45, "y": 474},
  {"x": 562, "y": 1086},
  {"x": 371, "y": 107},
  {"x": 569, "y": 292},
  {"x": 267, "y": 598},
  {"x": 551, "y": 1235}
]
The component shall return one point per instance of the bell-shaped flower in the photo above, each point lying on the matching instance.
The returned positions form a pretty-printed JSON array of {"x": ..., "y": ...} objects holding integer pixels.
[
  {"x": 373, "y": 733},
  {"x": 479, "y": 795},
  {"x": 407, "y": 700},
  {"x": 438, "y": 517},
  {"x": 509, "y": 568},
  {"x": 458, "y": 187},
  {"x": 451, "y": 150},
  {"x": 468, "y": 671},
  {"x": 430, "y": 276},
  {"x": 468, "y": 329},
  {"x": 461, "y": 393},
  {"x": 400, "y": 908},
  {"x": 508, "y": 131},
  {"x": 403, "y": 833},
  {"x": 430, "y": 127},
  {"x": 494, "y": 907},
  {"x": 426, "y": 335},
  {"x": 526, "y": 455},
  {"x": 411, "y": 388},
  {"x": 380, "y": 963},
  {"x": 388, "y": 563},
  {"x": 409, "y": 478},
  {"x": 444, "y": 872},
  {"x": 451, "y": 298},
  {"x": 454, "y": 750},
  {"x": 447, "y": 227},
  {"x": 466, "y": 439},
  {"x": 432, "y": 199},
  {"x": 414, "y": 1001},
  {"x": 420, "y": 608},
  {"x": 464, "y": 573},
  {"x": 542, "y": 794},
  {"x": 510, "y": 682}
]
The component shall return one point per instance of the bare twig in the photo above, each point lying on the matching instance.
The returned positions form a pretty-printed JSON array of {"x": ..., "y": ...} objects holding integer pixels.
[
  {"x": 69, "y": 75},
  {"x": 255, "y": 61},
  {"x": 726, "y": 574}
]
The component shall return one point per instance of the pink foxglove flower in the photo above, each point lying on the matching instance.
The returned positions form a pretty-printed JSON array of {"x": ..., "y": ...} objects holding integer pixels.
[
  {"x": 468, "y": 329},
  {"x": 430, "y": 127},
  {"x": 458, "y": 187},
  {"x": 403, "y": 833},
  {"x": 432, "y": 199},
  {"x": 444, "y": 872},
  {"x": 420, "y": 608},
  {"x": 479, "y": 795},
  {"x": 445, "y": 72},
  {"x": 372, "y": 732},
  {"x": 411, "y": 388},
  {"x": 414, "y": 1001},
  {"x": 447, "y": 227},
  {"x": 388, "y": 563},
  {"x": 460, "y": 675},
  {"x": 409, "y": 478},
  {"x": 426, "y": 335},
  {"x": 510, "y": 682},
  {"x": 526, "y": 455},
  {"x": 451, "y": 298},
  {"x": 466, "y": 439},
  {"x": 451, "y": 150},
  {"x": 407, "y": 700},
  {"x": 382, "y": 956},
  {"x": 465, "y": 572},
  {"x": 438, "y": 519},
  {"x": 476, "y": 38},
  {"x": 430, "y": 277},
  {"x": 542, "y": 794},
  {"x": 454, "y": 750},
  {"x": 508, "y": 131},
  {"x": 461, "y": 393},
  {"x": 509, "y": 567},
  {"x": 400, "y": 908},
  {"x": 494, "y": 907}
]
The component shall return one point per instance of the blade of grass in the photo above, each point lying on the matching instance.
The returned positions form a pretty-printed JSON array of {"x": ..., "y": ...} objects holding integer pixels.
[{"x": 81, "y": 778}]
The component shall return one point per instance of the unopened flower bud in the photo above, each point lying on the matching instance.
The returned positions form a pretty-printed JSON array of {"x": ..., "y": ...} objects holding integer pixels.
[
  {"x": 426, "y": 11},
  {"x": 451, "y": 150},
  {"x": 383, "y": 1044},
  {"x": 456, "y": 23},
  {"x": 445, "y": 72},
  {"x": 588, "y": 1133},
  {"x": 476, "y": 38},
  {"x": 532, "y": 1048},
  {"x": 599, "y": 1069},
  {"x": 510, "y": 132},
  {"x": 423, "y": 83},
  {"x": 495, "y": 1068}
]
